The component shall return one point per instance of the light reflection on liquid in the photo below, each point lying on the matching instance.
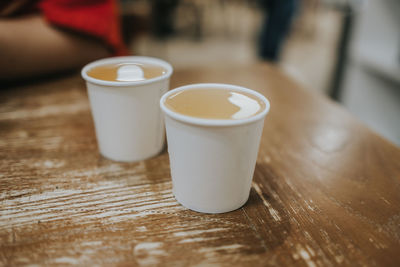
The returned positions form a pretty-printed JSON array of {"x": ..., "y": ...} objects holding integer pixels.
[
  {"x": 248, "y": 106},
  {"x": 130, "y": 73}
]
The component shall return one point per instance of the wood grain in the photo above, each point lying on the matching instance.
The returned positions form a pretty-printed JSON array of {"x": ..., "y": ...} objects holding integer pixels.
[{"x": 326, "y": 189}]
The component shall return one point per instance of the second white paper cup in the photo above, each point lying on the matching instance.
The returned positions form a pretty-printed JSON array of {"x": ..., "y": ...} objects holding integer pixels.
[
  {"x": 212, "y": 161},
  {"x": 127, "y": 117}
]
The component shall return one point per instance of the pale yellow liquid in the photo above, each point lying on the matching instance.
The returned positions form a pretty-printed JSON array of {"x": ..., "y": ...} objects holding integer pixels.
[
  {"x": 215, "y": 104},
  {"x": 126, "y": 72}
]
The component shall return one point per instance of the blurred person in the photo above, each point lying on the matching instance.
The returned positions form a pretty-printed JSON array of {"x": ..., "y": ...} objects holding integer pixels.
[
  {"x": 163, "y": 17},
  {"x": 40, "y": 37},
  {"x": 278, "y": 15}
]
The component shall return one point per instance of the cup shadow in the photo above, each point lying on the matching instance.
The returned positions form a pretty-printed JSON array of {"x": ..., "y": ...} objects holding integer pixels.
[{"x": 264, "y": 211}]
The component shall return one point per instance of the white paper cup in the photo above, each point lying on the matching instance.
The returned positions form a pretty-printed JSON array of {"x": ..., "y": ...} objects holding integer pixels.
[
  {"x": 212, "y": 161},
  {"x": 127, "y": 117}
]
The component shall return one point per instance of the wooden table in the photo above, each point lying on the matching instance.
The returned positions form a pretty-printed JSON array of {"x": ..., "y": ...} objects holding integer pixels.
[{"x": 326, "y": 189}]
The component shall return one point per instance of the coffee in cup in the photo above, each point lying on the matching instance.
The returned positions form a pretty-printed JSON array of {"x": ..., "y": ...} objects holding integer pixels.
[
  {"x": 126, "y": 71},
  {"x": 215, "y": 103}
]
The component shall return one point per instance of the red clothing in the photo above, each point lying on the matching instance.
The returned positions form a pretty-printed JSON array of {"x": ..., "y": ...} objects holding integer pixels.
[{"x": 98, "y": 18}]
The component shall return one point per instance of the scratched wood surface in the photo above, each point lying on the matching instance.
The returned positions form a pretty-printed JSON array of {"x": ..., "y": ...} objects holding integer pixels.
[{"x": 326, "y": 189}]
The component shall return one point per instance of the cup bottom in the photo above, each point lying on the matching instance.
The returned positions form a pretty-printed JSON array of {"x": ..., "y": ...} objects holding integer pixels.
[
  {"x": 133, "y": 159},
  {"x": 210, "y": 210}
]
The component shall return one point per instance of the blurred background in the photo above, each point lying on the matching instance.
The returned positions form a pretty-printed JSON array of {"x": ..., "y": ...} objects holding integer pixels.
[{"x": 348, "y": 50}]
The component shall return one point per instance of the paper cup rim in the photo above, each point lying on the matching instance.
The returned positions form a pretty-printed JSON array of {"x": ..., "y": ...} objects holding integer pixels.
[
  {"x": 214, "y": 122},
  {"x": 134, "y": 59}
]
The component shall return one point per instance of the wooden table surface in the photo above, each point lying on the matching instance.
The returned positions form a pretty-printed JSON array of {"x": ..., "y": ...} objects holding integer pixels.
[{"x": 326, "y": 189}]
